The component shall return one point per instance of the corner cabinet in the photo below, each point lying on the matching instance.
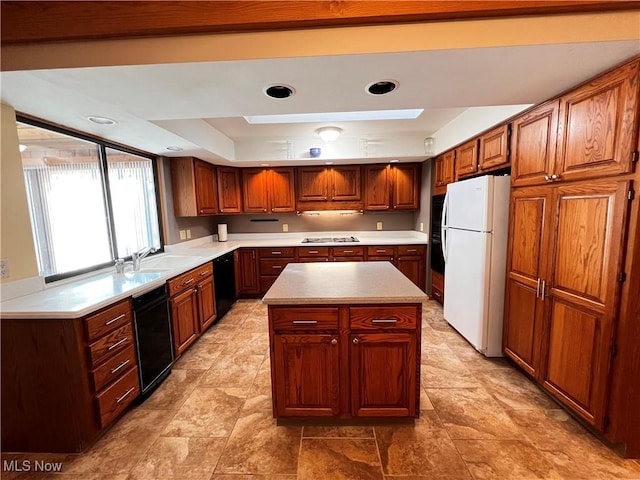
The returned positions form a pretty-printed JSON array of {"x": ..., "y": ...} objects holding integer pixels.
[
  {"x": 565, "y": 254},
  {"x": 345, "y": 361},
  {"x": 194, "y": 187}
]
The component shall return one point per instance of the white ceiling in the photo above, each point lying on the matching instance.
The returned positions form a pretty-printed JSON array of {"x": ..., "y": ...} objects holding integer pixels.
[{"x": 199, "y": 106}]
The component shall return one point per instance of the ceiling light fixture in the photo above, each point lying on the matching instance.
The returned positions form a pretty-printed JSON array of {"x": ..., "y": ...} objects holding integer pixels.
[
  {"x": 382, "y": 87},
  {"x": 329, "y": 134},
  {"x": 173, "y": 148},
  {"x": 101, "y": 120},
  {"x": 22, "y": 148},
  {"x": 279, "y": 91}
]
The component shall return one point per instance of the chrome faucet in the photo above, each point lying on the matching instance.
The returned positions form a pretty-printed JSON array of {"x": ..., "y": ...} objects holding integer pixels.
[{"x": 139, "y": 255}]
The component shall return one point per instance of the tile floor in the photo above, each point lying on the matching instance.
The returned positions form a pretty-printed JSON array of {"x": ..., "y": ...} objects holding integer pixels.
[{"x": 211, "y": 419}]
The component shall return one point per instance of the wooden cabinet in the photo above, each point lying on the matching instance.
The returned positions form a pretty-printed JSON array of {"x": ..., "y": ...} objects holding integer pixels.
[
  {"x": 437, "y": 287},
  {"x": 268, "y": 190},
  {"x": 271, "y": 262},
  {"x": 192, "y": 303},
  {"x": 194, "y": 187},
  {"x": 466, "y": 158},
  {"x": 334, "y": 188},
  {"x": 411, "y": 261},
  {"x": 65, "y": 380},
  {"x": 246, "y": 272},
  {"x": 493, "y": 151},
  {"x": 533, "y": 145},
  {"x": 229, "y": 193},
  {"x": 565, "y": 256},
  {"x": 444, "y": 172},
  {"x": 342, "y": 361},
  {"x": 390, "y": 187}
]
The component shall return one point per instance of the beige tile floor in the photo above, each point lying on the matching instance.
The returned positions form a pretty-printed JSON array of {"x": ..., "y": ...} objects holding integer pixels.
[{"x": 211, "y": 419}]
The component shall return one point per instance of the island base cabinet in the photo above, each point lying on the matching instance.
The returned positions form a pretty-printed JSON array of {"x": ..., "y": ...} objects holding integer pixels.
[
  {"x": 308, "y": 384},
  {"x": 383, "y": 374}
]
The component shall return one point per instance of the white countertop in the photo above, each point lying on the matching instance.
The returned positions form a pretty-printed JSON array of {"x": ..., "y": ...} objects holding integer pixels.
[
  {"x": 85, "y": 294},
  {"x": 342, "y": 283}
]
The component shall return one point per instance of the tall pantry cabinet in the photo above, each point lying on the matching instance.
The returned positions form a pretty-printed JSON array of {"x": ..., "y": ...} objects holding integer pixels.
[{"x": 572, "y": 176}]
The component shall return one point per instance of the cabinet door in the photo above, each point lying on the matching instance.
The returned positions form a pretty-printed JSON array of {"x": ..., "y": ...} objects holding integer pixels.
[
  {"x": 494, "y": 148},
  {"x": 254, "y": 190},
  {"x": 599, "y": 127},
  {"x": 346, "y": 183},
  {"x": 205, "y": 188},
  {"x": 184, "y": 318},
  {"x": 246, "y": 271},
  {"x": 438, "y": 171},
  {"x": 466, "y": 158},
  {"x": 406, "y": 186},
  {"x": 229, "y": 197},
  {"x": 533, "y": 145},
  {"x": 383, "y": 374},
  {"x": 587, "y": 257},
  {"x": 312, "y": 184},
  {"x": 529, "y": 224},
  {"x": 206, "y": 303},
  {"x": 414, "y": 268},
  {"x": 449, "y": 167},
  {"x": 281, "y": 190},
  {"x": 377, "y": 187},
  {"x": 307, "y": 375}
]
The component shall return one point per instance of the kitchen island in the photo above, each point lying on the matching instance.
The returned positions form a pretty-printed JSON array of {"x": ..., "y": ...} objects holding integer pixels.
[{"x": 345, "y": 341}]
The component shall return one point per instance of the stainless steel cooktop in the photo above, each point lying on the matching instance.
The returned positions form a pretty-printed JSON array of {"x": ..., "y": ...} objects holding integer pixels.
[{"x": 329, "y": 239}]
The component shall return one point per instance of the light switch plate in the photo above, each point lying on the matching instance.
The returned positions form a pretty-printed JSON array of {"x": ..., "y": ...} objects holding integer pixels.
[
  {"x": 421, "y": 226},
  {"x": 183, "y": 234},
  {"x": 285, "y": 227},
  {"x": 378, "y": 225},
  {"x": 188, "y": 234}
]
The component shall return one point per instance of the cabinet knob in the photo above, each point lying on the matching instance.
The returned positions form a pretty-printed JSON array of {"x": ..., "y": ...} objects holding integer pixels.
[
  {"x": 356, "y": 341},
  {"x": 547, "y": 178},
  {"x": 334, "y": 341},
  {"x": 555, "y": 177}
]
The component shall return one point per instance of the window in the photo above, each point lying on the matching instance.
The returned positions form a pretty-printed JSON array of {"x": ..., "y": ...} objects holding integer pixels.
[{"x": 90, "y": 203}]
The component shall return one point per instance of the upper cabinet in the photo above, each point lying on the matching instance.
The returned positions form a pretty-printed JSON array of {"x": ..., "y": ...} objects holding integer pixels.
[
  {"x": 494, "y": 148},
  {"x": 229, "y": 196},
  {"x": 392, "y": 187},
  {"x": 194, "y": 187},
  {"x": 444, "y": 172},
  {"x": 335, "y": 188},
  {"x": 598, "y": 126},
  {"x": 268, "y": 190},
  {"x": 533, "y": 145},
  {"x": 466, "y": 157}
]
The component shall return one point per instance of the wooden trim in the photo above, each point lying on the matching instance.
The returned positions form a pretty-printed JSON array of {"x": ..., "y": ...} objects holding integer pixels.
[{"x": 45, "y": 21}]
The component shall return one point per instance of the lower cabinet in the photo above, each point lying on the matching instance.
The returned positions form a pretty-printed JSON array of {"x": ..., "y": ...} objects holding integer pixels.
[
  {"x": 193, "y": 308},
  {"x": 345, "y": 361},
  {"x": 246, "y": 272}
]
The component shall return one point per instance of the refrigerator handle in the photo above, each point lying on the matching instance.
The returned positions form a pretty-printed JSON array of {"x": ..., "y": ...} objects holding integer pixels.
[{"x": 443, "y": 227}]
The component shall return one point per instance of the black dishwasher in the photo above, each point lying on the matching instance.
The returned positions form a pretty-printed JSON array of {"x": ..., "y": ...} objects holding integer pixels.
[
  {"x": 153, "y": 339},
  {"x": 225, "y": 280}
]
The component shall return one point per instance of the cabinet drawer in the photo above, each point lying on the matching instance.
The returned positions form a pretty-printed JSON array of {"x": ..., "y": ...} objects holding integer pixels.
[
  {"x": 348, "y": 251},
  {"x": 188, "y": 279},
  {"x": 109, "y": 319},
  {"x": 375, "y": 318},
  {"x": 381, "y": 251},
  {"x": 313, "y": 251},
  {"x": 408, "y": 250},
  {"x": 113, "y": 368},
  {"x": 437, "y": 294},
  {"x": 273, "y": 266},
  {"x": 287, "y": 252},
  {"x": 110, "y": 344},
  {"x": 116, "y": 397},
  {"x": 304, "y": 318}
]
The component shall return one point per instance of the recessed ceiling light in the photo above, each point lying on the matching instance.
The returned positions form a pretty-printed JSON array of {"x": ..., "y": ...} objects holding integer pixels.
[
  {"x": 279, "y": 91},
  {"x": 173, "y": 148},
  {"x": 101, "y": 120},
  {"x": 382, "y": 87},
  {"x": 326, "y": 117}
]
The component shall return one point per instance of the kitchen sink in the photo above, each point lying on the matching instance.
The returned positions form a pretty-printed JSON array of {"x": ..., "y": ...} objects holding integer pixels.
[
  {"x": 166, "y": 262},
  {"x": 330, "y": 240}
]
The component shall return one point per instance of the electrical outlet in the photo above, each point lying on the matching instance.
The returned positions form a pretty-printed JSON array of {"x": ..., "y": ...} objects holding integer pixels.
[
  {"x": 285, "y": 227},
  {"x": 183, "y": 234},
  {"x": 188, "y": 234},
  {"x": 422, "y": 226},
  {"x": 4, "y": 269},
  {"x": 378, "y": 225}
]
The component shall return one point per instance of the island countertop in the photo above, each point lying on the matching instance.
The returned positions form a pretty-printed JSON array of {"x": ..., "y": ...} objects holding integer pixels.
[{"x": 342, "y": 282}]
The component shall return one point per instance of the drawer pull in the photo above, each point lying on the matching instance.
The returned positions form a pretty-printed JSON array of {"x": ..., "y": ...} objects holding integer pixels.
[
  {"x": 381, "y": 251},
  {"x": 334, "y": 341},
  {"x": 384, "y": 320},
  {"x": 305, "y": 322},
  {"x": 202, "y": 274},
  {"x": 411, "y": 250},
  {"x": 187, "y": 282},
  {"x": 115, "y": 319},
  {"x": 125, "y": 395},
  {"x": 276, "y": 253},
  {"x": 277, "y": 267},
  {"x": 313, "y": 251},
  {"x": 119, "y": 342},
  {"x": 119, "y": 367},
  {"x": 347, "y": 251},
  {"x": 437, "y": 294}
]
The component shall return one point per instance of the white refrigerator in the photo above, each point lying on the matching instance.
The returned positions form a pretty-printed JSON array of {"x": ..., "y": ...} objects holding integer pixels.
[{"x": 475, "y": 219}]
